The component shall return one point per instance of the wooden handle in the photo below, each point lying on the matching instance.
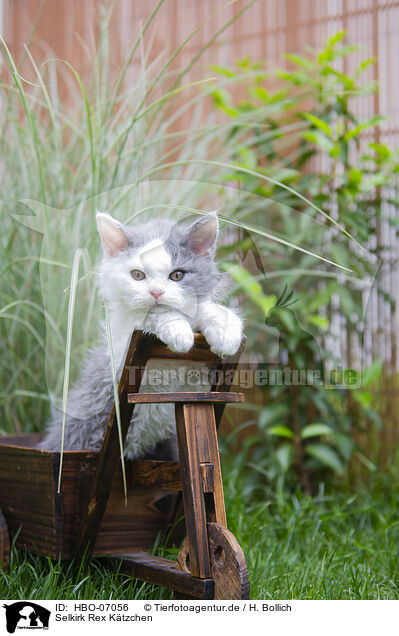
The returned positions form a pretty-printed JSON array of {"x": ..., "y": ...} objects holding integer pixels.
[{"x": 161, "y": 398}]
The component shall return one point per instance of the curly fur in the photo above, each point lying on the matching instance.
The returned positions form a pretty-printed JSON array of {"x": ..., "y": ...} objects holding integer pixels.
[{"x": 156, "y": 249}]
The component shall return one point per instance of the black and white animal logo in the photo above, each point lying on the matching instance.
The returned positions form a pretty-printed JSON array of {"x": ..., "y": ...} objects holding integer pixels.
[{"x": 26, "y": 615}]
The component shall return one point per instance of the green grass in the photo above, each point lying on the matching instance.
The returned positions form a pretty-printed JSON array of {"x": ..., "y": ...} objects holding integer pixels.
[{"x": 336, "y": 546}]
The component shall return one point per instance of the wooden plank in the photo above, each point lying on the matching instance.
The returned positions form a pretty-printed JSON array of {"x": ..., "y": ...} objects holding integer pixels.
[
  {"x": 163, "y": 572},
  {"x": 193, "y": 499},
  {"x": 208, "y": 484},
  {"x": 223, "y": 384},
  {"x": 28, "y": 477},
  {"x": 161, "y": 352},
  {"x": 160, "y": 398},
  {"x": 27, "y": 493},
  {"x": 29, "y": 440},
  {"x": 166, "y": 475},
  {"x": 227, "y": 369},
  {"x": 4, "y": 542},
  {"x": 229, "y": 569},
  {"x": 148, "y": 472},
  {"x": 59, "y": 512},
  {"x": 208, "y": 451},
  {"x": 17, "y": 515},
  {"x": 200, "y": 352},
  {"x": 138, "y": 353},
  {"x": 135, "y": 527},
  {"x": 49, "y": 524}
]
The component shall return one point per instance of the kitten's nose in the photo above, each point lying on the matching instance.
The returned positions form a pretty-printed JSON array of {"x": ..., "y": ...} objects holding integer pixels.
[{"x": 157, "y": 293}]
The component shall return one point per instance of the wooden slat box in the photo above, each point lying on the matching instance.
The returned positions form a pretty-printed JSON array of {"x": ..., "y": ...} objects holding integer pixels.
[{"x": 49, "y": 523}]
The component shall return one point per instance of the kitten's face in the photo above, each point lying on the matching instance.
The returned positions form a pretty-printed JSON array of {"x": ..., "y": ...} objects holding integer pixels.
[
  {"x": 172, "y": 271},
  {"x": 147, "y": 277}
]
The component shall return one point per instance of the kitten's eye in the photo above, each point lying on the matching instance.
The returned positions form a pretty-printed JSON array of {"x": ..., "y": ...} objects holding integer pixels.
[
  {"x": 137, "y": 274},
  {"x": 176, "y": 275}
]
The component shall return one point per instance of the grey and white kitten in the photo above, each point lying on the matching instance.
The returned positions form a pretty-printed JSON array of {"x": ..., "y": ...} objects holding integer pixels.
[{"x": 160, "y": 277}]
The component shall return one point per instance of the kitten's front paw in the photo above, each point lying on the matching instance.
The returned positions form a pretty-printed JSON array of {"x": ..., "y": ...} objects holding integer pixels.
[
  {"x": 179, "y": 338},
  {"x": 225, "y": 339},
  {"x": 225, "y": 344},
  {"x": 182, "y": 342}
]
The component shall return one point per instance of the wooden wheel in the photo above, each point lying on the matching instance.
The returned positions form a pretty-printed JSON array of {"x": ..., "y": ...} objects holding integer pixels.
[
  {"x": 228, "y": 567},
  {"x": 4, "y": 542}
]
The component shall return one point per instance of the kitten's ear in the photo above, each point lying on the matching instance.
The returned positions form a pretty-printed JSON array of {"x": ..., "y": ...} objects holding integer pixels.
[
  {"x": 113, "y": 238},
  {"x": 203, "y": 233}
]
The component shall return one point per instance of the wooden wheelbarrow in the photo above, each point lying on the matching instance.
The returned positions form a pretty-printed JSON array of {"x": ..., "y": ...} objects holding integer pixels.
[{"x": 89, "y": 516}]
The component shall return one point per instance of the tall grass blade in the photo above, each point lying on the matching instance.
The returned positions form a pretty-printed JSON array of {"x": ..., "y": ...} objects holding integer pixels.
[
  {"x": 244, "y": 226},
  {"x": 29, "y": 116},
  {"x": 156, "y": 81},
  {"x": 130, "y": 58},
  {"x": 259, "y": 175},
  {"x": 116, "y": 397},
  {"x": 49, "y": 105},
  {"x": 79, "y": 254},
  {"x": 88, "y": 116},
  {"x": 213, "y": 39}
]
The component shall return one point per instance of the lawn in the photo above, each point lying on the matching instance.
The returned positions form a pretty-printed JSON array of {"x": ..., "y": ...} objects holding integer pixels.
[{"x": 334, "y": 546}]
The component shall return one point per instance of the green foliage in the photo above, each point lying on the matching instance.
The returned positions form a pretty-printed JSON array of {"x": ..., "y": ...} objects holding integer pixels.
[
  {"x": 307, "y": 139},
  {"x": 251, "y": 287}
]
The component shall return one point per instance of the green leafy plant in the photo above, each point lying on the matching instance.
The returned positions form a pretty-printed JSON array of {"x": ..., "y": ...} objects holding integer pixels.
[{"x": 309, "y": 139}]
